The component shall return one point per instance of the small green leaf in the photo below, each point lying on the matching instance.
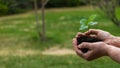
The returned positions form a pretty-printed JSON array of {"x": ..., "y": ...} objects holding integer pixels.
[
  {"x": 86, "y": 22},
  {"x": 83, "y": 21},
  {"x": 83, "y": 27},
  {"x": 93, "y": 23},
  {"x": 92, "y": 18}
]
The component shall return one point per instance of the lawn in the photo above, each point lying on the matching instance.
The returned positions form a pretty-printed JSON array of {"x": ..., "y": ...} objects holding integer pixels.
[{"x": 20, "y": 46}]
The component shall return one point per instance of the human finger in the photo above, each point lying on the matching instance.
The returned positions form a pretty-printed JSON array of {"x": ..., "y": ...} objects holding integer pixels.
[
  {"x": 92, "y": 31},
  {"x": 75, "y": 43},
  {"x": 88, "y": 55},
  {"x": 79, "y": 34},
  {"x": 93, "y": 36},
  {"x": 78, "y": 51},
  {"x": 85, "y": 45}
]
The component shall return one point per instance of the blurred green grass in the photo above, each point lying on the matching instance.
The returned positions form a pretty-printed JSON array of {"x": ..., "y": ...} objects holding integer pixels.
[
  {"x": 19, "y": 32},
  {"x": 68, "y": 61}
]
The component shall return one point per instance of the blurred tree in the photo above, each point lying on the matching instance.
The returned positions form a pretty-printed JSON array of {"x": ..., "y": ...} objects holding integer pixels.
[
  {"x": 37, "y": 18},
  {"x": 3, "y": 9},
  {"x": 44, "y": 2},
  {"x": 15, "y": 6},
  {"x": 108, "y": 7},
  {"x": 42, "y": 33}
]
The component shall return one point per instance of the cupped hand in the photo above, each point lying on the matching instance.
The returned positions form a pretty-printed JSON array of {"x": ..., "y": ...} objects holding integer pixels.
[
  {"x": 100, "y": 34},
  {"x": 96, "y": 50}
]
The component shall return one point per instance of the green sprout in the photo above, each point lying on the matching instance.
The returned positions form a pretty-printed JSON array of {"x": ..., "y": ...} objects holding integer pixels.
[{"x": 86, "y": 23}]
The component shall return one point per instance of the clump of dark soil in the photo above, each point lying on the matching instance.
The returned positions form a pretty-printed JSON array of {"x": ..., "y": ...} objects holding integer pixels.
[{"x": 86, "y": 39}]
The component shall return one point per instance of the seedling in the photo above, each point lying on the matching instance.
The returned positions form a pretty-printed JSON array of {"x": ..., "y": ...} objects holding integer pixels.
[{"x": 85, "y": 24}]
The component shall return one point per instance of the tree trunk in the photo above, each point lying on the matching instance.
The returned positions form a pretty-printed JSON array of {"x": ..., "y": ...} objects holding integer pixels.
[
  {"x": 37, "y": 19},
  {"x": 43, "y": 20}
]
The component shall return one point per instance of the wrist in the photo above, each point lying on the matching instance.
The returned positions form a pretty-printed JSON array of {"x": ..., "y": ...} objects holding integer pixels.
[
  {"x": 111, "y": 40},
  {"x": 115, "y": 41},
  {"x": 112, "y": 37},
  {"x": 107, "y": 49}
]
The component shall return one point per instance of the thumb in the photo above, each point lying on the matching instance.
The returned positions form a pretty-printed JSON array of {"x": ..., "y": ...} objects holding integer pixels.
[{"x": 85, "y": 45}]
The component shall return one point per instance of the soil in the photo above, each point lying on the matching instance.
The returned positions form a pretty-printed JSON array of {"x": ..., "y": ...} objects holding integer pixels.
[{"x": 86, "y": 39}]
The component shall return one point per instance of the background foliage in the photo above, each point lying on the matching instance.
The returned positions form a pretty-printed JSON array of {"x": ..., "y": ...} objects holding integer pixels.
[
  {"x": 17, "y": 6},
  {"x": 64, "y": 3}
]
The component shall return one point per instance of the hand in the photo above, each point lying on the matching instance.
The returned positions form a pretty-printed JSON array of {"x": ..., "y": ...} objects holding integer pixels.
[
  {"x": 100, "y": 34},
  {"x": 95, "y": 51},
  {"x": 105, "y": 36}
]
